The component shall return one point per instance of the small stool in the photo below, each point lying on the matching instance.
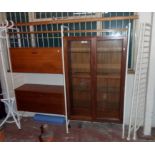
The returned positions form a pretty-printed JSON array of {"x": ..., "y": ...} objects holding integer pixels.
[{"x": 9, "y": 103}]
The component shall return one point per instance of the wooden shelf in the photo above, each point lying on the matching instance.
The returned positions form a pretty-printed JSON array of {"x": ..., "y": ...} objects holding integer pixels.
[
  {"x": 82, "y": 103},
  {"x": 81, "y": 52},
  {"x": 76, "y": 88},
  {"x": 109, "y": 76},
  {"x": 81, "y": 75},
  {"x": 108, "y": 66},
  {"x": 101, "y": 90},
  {"x": 102, "y": 50},
  {"x": 99, "y": 66},
  {"x": 80, "y": 66},
  {"x": 80, "y": 117}
]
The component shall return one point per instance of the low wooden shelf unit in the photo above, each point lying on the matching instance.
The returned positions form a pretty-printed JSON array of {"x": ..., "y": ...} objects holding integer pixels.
[{"x": 40, "y": 98}]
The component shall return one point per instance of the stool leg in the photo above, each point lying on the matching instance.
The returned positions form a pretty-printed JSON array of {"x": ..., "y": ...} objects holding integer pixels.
[
  {"x": 13, "y": 113},
  {"x": 10, "y": 103},
  {"x": 8, "y": 114}
]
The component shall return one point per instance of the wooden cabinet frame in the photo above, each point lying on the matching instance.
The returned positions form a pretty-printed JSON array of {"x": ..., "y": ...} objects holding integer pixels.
[{"x": 93, "y": 76}]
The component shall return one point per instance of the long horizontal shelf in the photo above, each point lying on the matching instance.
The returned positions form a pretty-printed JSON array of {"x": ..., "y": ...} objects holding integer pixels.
[
  {"x": 62, "y": 21},
  {"x": 80, "y": 117},
  {"x": 106, "y": 90},
  {"x": 109, "y": 49},
  {"x": 80, "y": 67},
  {"x": 108, "y": 66},
  {"x": 109, "y": 76},
  {"x": 81, "y": 75},
  {"x": 99, "y": 66},
  {"x": 81, "y": 103},
  {"x": 100, "y": 52},
  {"x": 80, "y": 51}
]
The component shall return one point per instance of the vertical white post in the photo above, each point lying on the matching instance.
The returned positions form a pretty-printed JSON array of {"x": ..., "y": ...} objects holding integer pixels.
[
  {"x": 125, "y": 90},
  {"x": 8, "y": 53},
  {"x": 31, "y": 17},
  {"x": 64, "y": 78},
  {"x": 4, "y": 70},
  {"x": 19, "y": 38},
  {"x": 99, "y": 23}
]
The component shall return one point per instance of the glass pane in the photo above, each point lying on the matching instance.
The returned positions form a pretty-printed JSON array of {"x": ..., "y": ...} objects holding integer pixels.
[
  {"x": 81, "y": 96},
  {"x": 108, "y": 78},
  {"x": 80, "y": 81},
  {"x": 109, "y": 57},
  {"x": 80, "y": 58}
]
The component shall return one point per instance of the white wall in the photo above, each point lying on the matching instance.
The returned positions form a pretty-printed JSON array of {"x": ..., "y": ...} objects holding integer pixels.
[
  {"x": 49, "y": 79},
  {"x": 145, "y": 17}
]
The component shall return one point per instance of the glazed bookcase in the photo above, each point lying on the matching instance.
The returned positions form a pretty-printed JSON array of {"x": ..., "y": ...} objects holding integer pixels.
[{"x": 95, "y": 74}]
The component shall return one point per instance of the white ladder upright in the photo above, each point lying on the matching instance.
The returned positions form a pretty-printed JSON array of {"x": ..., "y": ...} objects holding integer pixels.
[{"x": 137, "y": 111}]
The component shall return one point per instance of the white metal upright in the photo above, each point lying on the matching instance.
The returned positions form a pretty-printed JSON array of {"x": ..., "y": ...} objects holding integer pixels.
[
  {"x": 64, "y": 77},
  {"x": 137, "y": 110},
  {"x": 126, "y": 73}
]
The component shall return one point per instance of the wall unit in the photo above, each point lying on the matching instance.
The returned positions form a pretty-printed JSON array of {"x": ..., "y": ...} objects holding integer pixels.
[
  {"x": 40, "y": 98},
  {"x": 36, "y": 60},
  {"x": 95, "y": 75}
]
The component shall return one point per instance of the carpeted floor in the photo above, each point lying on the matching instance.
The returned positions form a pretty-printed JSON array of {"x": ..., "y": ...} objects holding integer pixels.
[{"x": 79, "y": 132}]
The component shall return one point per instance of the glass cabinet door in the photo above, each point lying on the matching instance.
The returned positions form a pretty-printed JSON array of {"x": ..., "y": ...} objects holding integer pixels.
[
  {"x": 80, "y": 81},
  {"x": 108, "y": 74}
]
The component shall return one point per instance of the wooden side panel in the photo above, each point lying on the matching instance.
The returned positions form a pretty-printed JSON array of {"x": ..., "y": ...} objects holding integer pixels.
[{"x": 36, "y": 60}]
